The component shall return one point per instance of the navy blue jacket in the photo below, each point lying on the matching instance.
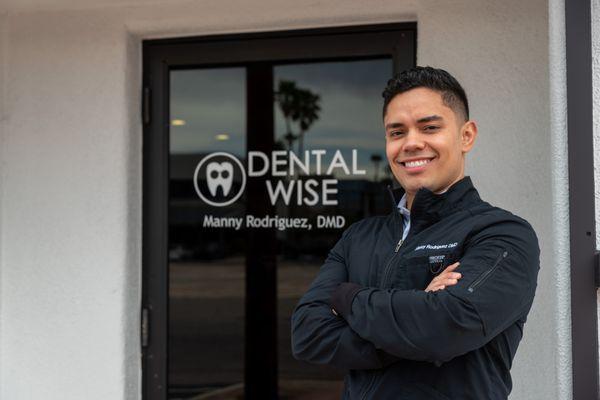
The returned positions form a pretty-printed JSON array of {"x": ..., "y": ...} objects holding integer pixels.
[{"x": 399, "y": 342}]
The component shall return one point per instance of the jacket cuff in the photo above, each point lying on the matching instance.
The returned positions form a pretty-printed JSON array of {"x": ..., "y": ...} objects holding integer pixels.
[{"x": 341, "y": 299}]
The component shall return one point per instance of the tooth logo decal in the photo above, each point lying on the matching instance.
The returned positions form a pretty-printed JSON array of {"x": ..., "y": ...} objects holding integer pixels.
[
  {"x": 219, "y": 179},
  {"x": 219, "y": 176}
]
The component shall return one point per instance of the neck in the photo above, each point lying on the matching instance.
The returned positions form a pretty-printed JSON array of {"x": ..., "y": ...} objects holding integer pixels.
[
  {"x": 410, "y": 196},
  {"x": 409, "y": 200}
]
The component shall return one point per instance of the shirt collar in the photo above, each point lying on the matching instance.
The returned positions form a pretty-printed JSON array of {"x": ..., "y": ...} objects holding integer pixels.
[
  {"x": 402, "y": 204},
  {"x": 429, "y": 207},
  {"x": 402, "y": 207}
]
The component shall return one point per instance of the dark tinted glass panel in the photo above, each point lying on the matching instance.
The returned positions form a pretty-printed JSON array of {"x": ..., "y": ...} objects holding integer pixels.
[
  {"x": 317, "y": 168},
  {"x": 206, "y": 265},
  {"x": 334, "y": 114}
]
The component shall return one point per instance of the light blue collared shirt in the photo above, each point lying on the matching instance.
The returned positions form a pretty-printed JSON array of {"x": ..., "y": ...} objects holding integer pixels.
[{"x": 405, "y": 216}]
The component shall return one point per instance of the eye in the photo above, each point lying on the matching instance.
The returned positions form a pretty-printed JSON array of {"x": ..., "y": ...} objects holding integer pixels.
[
  {"x": 431, "y": 128},
  {"x": 396, "y": 133}
]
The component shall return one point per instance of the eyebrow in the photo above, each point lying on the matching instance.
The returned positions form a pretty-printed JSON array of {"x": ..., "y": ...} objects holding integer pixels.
[{"x": 429, "y": 118}]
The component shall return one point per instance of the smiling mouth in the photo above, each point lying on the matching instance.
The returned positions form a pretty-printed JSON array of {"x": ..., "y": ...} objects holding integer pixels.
[{"x": 417, "y": 163}]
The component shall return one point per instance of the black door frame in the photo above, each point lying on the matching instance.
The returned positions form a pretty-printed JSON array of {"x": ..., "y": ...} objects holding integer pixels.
[
  {"x": 584, "y": 260},
  {"x": 159, "y": 58}
]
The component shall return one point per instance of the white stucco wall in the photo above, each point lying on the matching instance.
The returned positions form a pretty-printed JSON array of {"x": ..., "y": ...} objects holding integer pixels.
[
  {"x": 3, "y": 38},
  {"x": 70, "y": 211},
  {"x": 560, "y": 195},
  {"x": 70, "y": 203}
]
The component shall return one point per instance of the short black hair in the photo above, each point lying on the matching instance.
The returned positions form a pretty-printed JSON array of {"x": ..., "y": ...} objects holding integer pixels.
[{"x": 453, "y": 95}]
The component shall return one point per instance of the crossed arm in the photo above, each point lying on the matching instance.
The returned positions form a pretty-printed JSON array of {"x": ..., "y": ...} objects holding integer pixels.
[
  {"x": 378, "y": 326},
  {"x": 321, "y": 337}
]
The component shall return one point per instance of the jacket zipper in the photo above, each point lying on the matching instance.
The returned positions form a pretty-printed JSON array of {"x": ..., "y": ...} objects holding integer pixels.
[
  {"x": 384, "y": 277},
  {"x": 482, "y": 278},
  {"x": 383, "y": 280},
  {"x": 388, "y": 266}
]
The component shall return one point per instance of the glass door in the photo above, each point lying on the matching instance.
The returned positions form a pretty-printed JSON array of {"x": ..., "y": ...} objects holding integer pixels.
[
  {"x": 206, "y": 261},
  {"x": 267, "y": 163}
]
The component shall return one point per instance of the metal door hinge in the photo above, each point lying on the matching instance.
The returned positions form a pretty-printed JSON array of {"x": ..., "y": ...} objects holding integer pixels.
[
  {"x": 145, "y": 327},
  {"x": 597, "y": 268},
  {"x": 146, "y": 105}
]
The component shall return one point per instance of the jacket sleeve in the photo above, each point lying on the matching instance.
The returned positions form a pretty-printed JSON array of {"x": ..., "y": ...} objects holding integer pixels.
[
  {"x": 318, "y": 336},
  {"x": 499, "y": 276}
]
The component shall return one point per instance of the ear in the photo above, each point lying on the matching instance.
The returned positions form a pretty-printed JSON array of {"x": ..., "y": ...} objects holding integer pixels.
[{"x": 468, "y": 134}]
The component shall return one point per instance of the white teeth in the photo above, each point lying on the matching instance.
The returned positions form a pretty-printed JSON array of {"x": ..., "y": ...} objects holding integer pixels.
[{"x": 417, "y": 163}]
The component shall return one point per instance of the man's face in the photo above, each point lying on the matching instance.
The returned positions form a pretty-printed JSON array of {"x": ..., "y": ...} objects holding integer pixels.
[{"x": 426, "y": 141}]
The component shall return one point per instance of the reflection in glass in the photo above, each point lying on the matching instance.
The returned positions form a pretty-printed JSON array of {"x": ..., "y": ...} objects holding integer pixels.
[
  {"x": 206, "y": 265},
  {"x": 330, "y": 107},
  {"x": 322, "y": 111}
]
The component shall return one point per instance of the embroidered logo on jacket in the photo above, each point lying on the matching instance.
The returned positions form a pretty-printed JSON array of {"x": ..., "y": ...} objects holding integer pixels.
[
  {"x": 436, "y": 263},
  {"x": 436, "y": 258}
]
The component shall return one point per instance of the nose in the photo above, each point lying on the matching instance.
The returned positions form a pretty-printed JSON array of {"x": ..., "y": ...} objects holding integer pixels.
[{"x": 413, "y": 142}]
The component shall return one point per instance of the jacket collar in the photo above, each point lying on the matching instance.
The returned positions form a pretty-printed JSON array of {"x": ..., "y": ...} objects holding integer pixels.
[{"x": 428, "y": 207}]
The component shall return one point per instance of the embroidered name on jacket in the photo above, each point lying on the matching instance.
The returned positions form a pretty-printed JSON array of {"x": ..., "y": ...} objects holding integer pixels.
[{"x": 436, "y": 246}]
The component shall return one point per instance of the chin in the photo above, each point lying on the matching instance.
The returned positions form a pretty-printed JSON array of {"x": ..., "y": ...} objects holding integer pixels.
[
  {"x": 411, "y": 188},
  {"x": 413, "y": 184}
]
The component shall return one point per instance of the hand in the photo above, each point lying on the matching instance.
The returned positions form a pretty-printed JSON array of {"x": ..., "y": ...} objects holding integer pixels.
[{"x": 446, "y": 278}]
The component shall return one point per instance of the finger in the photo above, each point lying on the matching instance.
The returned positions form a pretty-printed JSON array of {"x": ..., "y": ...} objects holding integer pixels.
[
  {"x": 448, "y": 278},
  {"x": 445, "y": 278},
  {"x": 435, "y": 288},
  {"x": 446, "y": 275},
  {"x": 451, "y": 267},
  {"x": 449, "y": 281},
  {"x": 441, "y": 284},
  {"x": 431, "y": 288}
]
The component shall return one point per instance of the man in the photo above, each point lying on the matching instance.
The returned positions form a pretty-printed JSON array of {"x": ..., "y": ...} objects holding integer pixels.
[{"x": 428, "y": 302}]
